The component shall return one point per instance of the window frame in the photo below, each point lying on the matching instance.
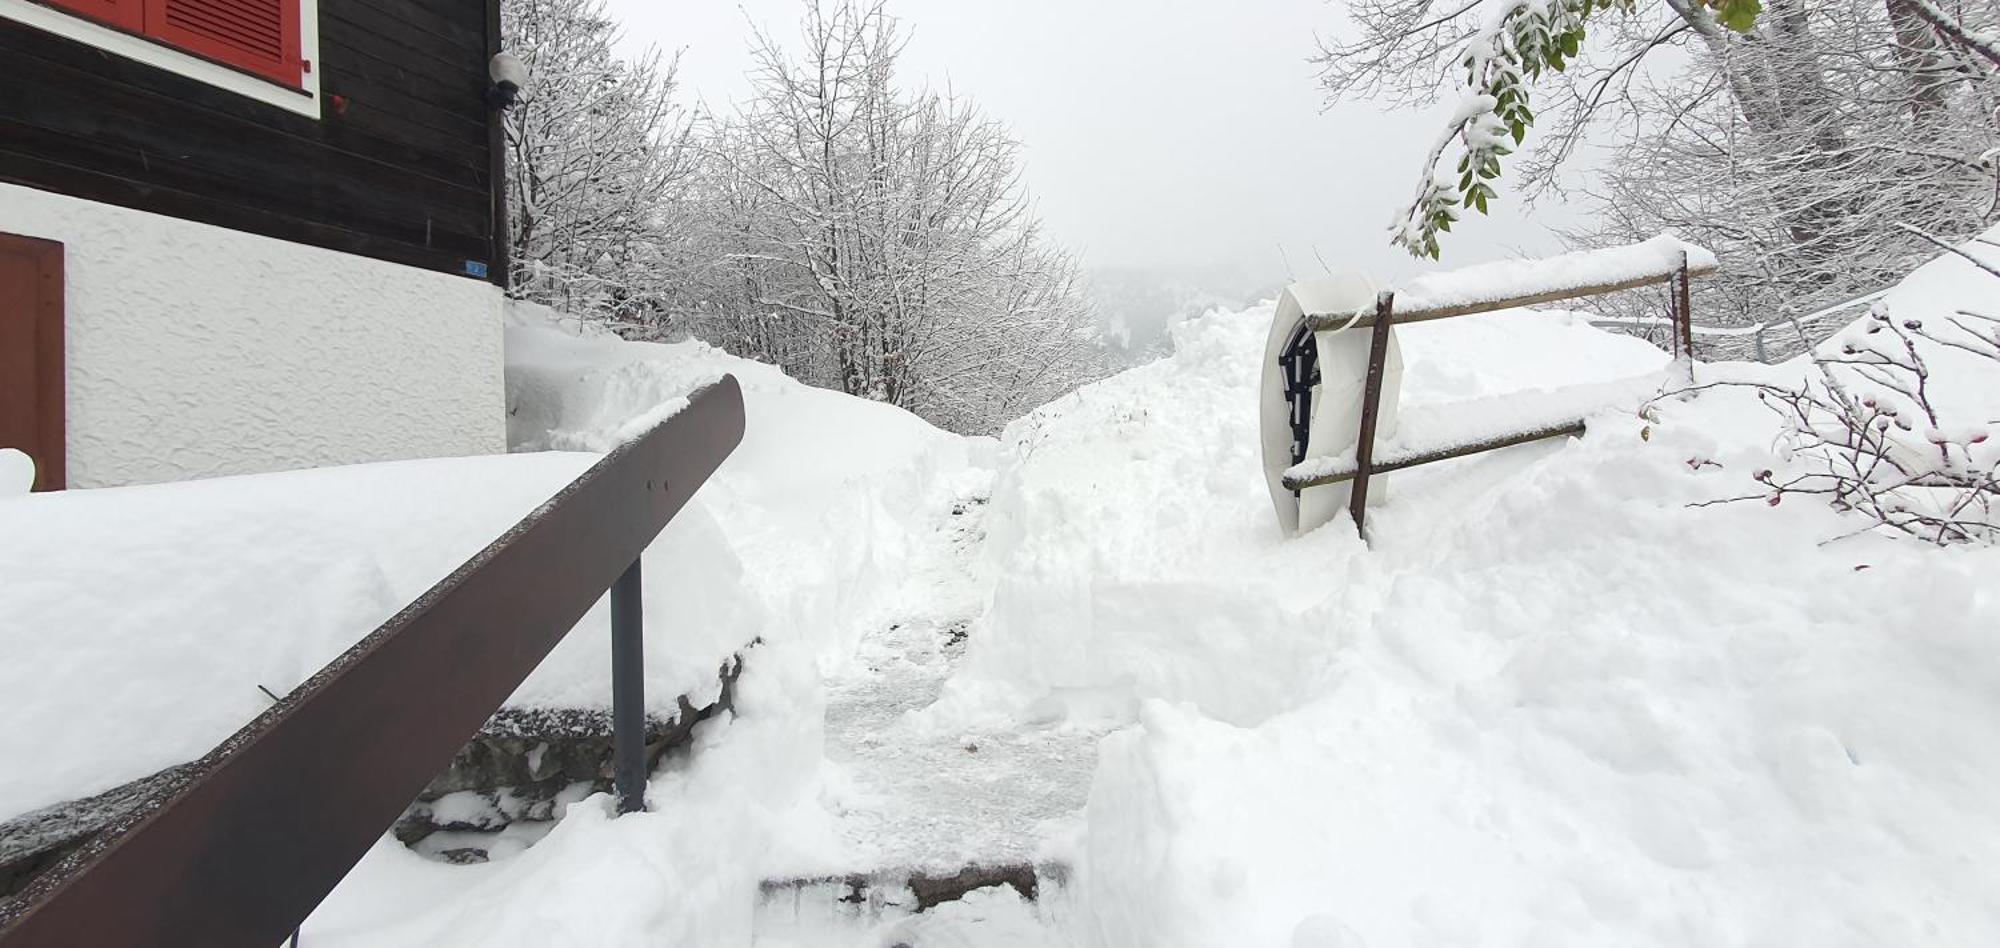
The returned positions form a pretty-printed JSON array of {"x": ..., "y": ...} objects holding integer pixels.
[{"x": 303, "y": 99}]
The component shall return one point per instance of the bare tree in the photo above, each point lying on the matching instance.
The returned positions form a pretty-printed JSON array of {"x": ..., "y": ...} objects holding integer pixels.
[
  {"x": 878, "y": 240},
  {"x": 596, "y": 150},
  {"x": 859, "y": 235}
]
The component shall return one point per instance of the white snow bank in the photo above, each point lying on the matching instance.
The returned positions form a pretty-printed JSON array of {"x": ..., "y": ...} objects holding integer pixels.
[
  {"x": 683, "y": 873},
  {"x": 1513, "y": 279},
  {"x": 824, "y": 504},
  {"x": 1133, "y": 559},
  {"x": 1553, "y": 704},
  {"x": 1935, "y": 296},
  {"x": 17, "y": 472},
  {"x": 1570, "y": 710},
  {"x": 139, "y": 622},
  {"x": 819, "y": 499}
]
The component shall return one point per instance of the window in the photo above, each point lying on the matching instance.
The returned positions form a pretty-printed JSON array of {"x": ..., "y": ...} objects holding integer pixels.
[
  {"x": 263, "y": 49},
  {"x": 259, "y": 36}
]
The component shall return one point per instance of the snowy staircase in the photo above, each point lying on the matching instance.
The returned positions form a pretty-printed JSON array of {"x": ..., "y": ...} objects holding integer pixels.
[{"x": 945, "y": 832}]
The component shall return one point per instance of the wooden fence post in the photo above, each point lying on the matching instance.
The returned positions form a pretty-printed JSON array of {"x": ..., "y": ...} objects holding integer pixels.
[{"x": 1371, "y": 408}]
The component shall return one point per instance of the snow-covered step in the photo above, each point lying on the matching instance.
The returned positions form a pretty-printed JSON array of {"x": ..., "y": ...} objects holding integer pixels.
[{"x": 1007, "y": 906}]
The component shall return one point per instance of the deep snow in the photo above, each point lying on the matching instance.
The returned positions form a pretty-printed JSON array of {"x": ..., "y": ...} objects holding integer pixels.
[
  {"x": 138, "y": 623},
  {"x": 1553, "y": 703}
]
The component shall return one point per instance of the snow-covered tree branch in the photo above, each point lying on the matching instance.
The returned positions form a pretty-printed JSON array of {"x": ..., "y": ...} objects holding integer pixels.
[
  {"x": 1785, "y": 135},
  {"x": 596, "y": 150},
  {"x": 860, "y": 235},
  {"x": 878, "y": 239}
]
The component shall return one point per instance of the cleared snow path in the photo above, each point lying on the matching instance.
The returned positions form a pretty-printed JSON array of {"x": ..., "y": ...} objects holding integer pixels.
[
  {"x": 953, "y": 808},
  {"x": 934, "y": 801}
]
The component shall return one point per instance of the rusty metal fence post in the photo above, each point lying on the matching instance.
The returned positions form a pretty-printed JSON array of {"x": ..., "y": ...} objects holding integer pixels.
[
  {"x": 1371, "y": 409},
  {"x": 1683, "y": 313}
]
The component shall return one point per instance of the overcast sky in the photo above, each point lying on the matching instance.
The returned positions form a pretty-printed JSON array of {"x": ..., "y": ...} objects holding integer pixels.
[{"x": 1157, "y": 133}]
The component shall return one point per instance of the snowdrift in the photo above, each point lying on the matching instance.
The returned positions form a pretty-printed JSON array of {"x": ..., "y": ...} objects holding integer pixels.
[
  {"x": 1555, "y": 704},
  {"x": 1130, "y": 555},
  {"x": 821, "y": 498},
  {"x": 822, "y": 505}
]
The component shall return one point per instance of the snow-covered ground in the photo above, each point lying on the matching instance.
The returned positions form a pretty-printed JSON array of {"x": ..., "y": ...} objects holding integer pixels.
[
  {"x": 139, "y": 624},
  {"x": 1552, "y": 703}
]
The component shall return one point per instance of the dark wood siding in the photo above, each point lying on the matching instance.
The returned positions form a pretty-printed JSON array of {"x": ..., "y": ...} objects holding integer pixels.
[{"x": 398, "y": 166}]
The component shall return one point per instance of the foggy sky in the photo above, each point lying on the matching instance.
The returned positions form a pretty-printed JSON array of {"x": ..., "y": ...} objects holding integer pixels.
[{"x": 1157, "y": 133}]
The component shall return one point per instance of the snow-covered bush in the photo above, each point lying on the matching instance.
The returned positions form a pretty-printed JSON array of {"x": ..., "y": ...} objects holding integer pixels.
[
  {"x": 1895, "y": 417},
  {"x": 1879, "y": 440}
]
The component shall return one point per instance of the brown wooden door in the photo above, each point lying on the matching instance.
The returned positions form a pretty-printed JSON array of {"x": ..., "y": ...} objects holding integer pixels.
[{"x": 31, "y": 354}]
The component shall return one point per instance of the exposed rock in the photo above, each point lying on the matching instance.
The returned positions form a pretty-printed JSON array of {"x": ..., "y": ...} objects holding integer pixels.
[{"x": 524, "y": 761}]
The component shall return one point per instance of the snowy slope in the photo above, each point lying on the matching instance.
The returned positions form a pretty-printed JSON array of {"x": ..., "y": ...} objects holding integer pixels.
[
  {"x": 821, "y": 498},
  {"x": 1132, "y": 563},
  {"x": 1553, "y": 704},
  {"x": 829, "y": 505},
  {"x": 139, "y": 622}
]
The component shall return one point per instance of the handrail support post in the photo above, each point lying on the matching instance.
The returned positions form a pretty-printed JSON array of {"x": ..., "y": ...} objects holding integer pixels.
[{"x": 628, "y": 691}]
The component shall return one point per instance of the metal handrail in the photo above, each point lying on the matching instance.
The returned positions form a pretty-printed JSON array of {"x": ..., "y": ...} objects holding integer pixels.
[
  {"x": 244, "y": 844},
  {"x": 1755, "y": 332}
]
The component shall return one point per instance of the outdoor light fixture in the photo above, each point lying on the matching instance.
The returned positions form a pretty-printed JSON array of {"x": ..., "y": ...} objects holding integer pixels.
[{"x": 509, "y": 76}]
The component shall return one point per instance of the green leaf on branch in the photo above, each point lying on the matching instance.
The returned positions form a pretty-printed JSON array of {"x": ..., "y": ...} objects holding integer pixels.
[
  {"x": 1532, "y": 38},
  {"x": 1738, "y": 15}
]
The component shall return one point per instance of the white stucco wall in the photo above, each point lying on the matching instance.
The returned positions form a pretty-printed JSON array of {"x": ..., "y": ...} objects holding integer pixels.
[{"x": 196, "y": 351}]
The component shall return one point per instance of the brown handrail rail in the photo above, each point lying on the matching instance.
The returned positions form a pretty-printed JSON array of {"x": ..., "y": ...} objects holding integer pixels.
[{"x": 243, "y": 846}]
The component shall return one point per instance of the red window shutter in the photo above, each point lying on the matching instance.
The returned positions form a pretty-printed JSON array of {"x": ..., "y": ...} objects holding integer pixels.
[
  {"x": 261, "y": 36},
  {"x": 124, "y": 14}
]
